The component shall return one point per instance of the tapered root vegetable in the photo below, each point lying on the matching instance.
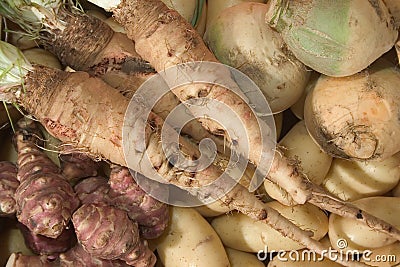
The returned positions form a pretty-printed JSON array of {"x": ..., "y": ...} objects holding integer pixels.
[
  {"x": 242, "y": 233},
  {"x": 200, "y": 246},
  {"x": 240, "y": 38},
  {"x": 8, "y": 185},
  {"x": 298, "y": 145},
  {"x": 151, "y": 24},
  {"x": 352, "y": 180},
  {"x": 45, "y": 200},
  {"x": 357, "y": 34},
  {"x": 355, "y": 117},
  {"x": 108, "y": 233},
  {"x": 92, "y": 119}
]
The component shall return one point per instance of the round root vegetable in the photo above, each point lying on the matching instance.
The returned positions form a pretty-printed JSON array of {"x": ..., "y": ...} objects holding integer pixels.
[
  {"x": 78, "y": 256},
  {"x": 356, "y": 235},
  {"x": 298, "y": 107},
  {"x": 240, "y": 38},
  {"x": 86, "y": 112},
  {"x": 215, "y": 7},
  {"x": 151, "y": 24},
  {"x": 394, "y": 9},
  {"x": 298, "y": 145},
  {"x": 8, "y": 185},
  {"x": 355, "y": 117},
  {"x": 357, "y": 34},
  {"x": 352, "y": 180},
  {"x": 45, "y": 200},
  {"x": 51, "y": 247},
  {"x": 200, "y": 246},
  {"x": 108, "y": 233}
]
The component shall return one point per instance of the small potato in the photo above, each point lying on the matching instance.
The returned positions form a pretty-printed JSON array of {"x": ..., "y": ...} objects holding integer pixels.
[
  {"x": 115, "y": 25},
  {"x": 240, "y": 232},
  {"x": 190, "y": 241},
  {"x": 239, "y": 258},
  {"x": 42, "y": 57},
  {"x": 349, "y": 234},
  {"x": 352, "y": 180},
  {"x": 315, "y": 163}
]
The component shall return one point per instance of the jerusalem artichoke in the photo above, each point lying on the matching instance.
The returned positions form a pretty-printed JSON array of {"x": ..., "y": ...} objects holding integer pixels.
[
  {"x": 45, "y": 200},
  {"x": 8, "y": 185},
  {"x": 108, "y": 233}
]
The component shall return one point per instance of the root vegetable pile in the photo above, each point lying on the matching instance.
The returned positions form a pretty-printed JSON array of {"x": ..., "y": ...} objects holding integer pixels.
[{"x": 82, "y": 201}]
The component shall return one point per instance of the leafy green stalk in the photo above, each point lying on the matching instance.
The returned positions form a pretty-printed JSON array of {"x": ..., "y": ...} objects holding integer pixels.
[{"x": 13, "y": 69}]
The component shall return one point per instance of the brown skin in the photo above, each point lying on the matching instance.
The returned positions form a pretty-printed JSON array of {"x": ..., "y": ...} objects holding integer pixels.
[
  {"x": 8, "y": 185},
  {"x": 151, "y": 24},
  {"x": 92, "y": 120},
  {"x": 45, "y": 200}
]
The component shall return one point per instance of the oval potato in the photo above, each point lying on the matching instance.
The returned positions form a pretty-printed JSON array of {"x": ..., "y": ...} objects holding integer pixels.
[
  {"x": 213, "y": 209},
  {"x": 352, "y": 180},
  {"x": 42, "y": 57},
  {"x": 384, "y": 257},
  {"x": 240, "y": 232},
  {"x": 190, "y": 241},
  {"x": 358, "y": 236}
]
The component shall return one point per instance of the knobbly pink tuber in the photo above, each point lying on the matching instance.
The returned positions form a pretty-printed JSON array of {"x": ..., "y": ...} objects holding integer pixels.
[
  {"x": 151, "y": 214},
  {"x": 45, "y": 200},
  {"x": 108, "y": 233},
  {"x": 8, "y": 185}
]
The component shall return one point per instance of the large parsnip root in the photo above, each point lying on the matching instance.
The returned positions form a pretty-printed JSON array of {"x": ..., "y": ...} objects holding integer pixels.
[
  {"x": 355, "y": 117},
  {"x": 108, "y": 233},
  {"x": 8, "y": 185},
  {"x": 92, "y": 119},
  {"x": 151, "y": 24},
  {"x": 45, "y": 200}
]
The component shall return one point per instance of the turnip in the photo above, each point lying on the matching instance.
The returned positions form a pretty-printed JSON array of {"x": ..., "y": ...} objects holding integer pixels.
[
  {"x": 356, "y": 117},
  {"x": 336, "y": 38},
  {"x": 240, "y": 38}
]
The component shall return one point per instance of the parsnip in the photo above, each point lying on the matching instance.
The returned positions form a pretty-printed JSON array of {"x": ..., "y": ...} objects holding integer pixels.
[
  {"x": 242, "y": 233},
  {"x": 200, "y": 246},
  {"x": 298, "y": 145},
  {"x": 357, "y": 236}
]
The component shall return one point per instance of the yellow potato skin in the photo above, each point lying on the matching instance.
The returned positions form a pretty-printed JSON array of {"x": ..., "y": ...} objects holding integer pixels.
[{"x": 190, "y": 241}]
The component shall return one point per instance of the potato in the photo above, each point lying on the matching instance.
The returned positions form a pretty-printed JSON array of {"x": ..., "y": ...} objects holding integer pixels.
[
  {"x": 115, "y": 25},
  {"x": 315, "y": 163},
  {"x": 239, "y": 258},
  {"x": 190, "y": 241},
  {"x": 42, "y": 57},
  {"x": 240, "y": 232},
  {"x": 396, "y": 191},
  {"x": 352, "y": 180},
  {"x": 384, "y": 257},
  {"x": 349, "y": 234}
]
